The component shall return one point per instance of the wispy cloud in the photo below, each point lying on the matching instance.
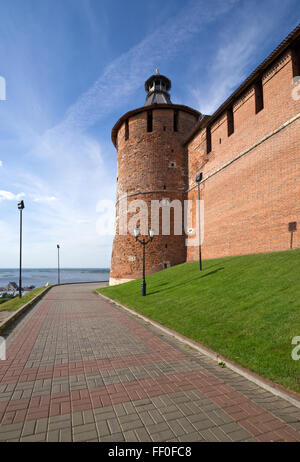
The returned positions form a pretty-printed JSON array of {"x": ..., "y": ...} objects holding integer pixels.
[
  {"x": 44, "y": 199},
  {"x": 228, "y": 66},
  {"x": 1, "y": 163},
  {"x": 9, "y": 196},
  {"x": 68, "y": 140},
  {"x": 123, "y": 76}
]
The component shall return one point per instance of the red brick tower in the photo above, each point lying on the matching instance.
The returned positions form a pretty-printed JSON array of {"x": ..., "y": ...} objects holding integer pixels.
[{"x": 151, "y": 165}]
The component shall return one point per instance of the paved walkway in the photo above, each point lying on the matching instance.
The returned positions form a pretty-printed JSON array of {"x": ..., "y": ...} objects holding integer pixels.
[{"x": 80, "y": 369}]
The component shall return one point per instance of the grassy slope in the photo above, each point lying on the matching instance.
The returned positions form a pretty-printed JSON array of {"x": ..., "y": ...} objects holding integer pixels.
[
  {"x": 16, "y": 303},
  {"x": 246, "y": 308}
]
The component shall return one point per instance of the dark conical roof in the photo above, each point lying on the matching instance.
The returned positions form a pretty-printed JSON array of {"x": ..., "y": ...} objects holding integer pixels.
[{"x": 157, "y": 87}]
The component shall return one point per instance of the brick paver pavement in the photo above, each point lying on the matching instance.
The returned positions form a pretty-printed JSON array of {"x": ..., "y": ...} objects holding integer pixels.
[{"x": 79, "y": 368}]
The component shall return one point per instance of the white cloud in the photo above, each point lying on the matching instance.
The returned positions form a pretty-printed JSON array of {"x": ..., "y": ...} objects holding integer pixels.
[
  {"x": 1, "y": 163},
  {"x": 228, "y": 66},
  {"x": 123, "y": 76},
  {"x": 83, "y": 221},
  {"x": 44, "y": 199},
  {"x": 9, "y": 196}
]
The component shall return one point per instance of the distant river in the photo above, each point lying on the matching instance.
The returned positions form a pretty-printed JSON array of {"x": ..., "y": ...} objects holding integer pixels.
[{"x": 40, "y": 276}]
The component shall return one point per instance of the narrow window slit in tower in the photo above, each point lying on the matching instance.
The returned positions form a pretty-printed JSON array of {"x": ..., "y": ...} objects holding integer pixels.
[
  {"x": 175, "y": 121},
  {"x": 296, "y": 59},
  {"x": 230, "y": 121},
  {"x": 126, "y": 129},
  {"x": 149, "y": 121},
  {"x": 208, "y": 140},
  {"x": 259, "y": 96},
  {"x": 164, "y": 186}
]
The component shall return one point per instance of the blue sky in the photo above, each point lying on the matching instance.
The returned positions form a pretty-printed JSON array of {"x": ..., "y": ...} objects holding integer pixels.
[{"x": 72, "y": 68}]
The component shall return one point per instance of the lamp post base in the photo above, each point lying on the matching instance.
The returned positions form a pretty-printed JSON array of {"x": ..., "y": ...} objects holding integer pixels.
[{"x": 143, "y": 286}]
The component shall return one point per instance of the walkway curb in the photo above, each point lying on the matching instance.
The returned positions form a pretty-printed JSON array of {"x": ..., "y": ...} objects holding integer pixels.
[
  {"x": 267, "y": 385},
  {"x": 16, "y": 314}
]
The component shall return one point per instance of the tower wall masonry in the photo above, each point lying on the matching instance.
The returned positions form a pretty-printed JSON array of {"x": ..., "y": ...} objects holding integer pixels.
[{"x": 151, "y": 166}]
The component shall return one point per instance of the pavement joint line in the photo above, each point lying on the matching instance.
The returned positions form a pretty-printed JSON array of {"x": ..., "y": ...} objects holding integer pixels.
[{"x": 211, "y": 354}]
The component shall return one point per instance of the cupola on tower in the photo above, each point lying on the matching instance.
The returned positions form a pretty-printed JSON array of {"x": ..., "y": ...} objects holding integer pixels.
[
  {"x": 157, "y": 88},
  {"x": 151, "y": 166}
]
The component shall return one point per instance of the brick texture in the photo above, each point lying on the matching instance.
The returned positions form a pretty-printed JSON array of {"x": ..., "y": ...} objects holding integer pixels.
[
  {"x": 151, "y": 166},
  {"x": 248, "y": 204}
]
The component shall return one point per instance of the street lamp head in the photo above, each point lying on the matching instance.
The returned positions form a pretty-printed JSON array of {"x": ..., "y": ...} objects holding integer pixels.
[
  {"x": 58, "y": 246},
  {"x": 151, "y": 233},
  {"x": 21, "y": 205},
  {"x": 199, "y": 177},
  {"x": 136, "y": 232}
]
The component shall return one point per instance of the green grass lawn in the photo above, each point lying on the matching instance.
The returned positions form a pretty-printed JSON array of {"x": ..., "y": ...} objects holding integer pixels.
[
  {"x": 15, "y": 303},
  {"x": 246, "y": 308}
]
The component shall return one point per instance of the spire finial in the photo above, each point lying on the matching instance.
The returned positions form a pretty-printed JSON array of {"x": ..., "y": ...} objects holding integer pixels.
[{"x": 157, "y": 71}]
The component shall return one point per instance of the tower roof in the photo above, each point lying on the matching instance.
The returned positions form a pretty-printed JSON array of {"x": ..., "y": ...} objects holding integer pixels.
[{"x": 157, "y": 87}]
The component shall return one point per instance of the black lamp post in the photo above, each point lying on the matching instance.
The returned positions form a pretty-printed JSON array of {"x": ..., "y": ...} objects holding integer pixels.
[
  {"x": 198, "y": 180},
  {"x": 143, "y": 242},
  {"x": 58, "y": 270},
  {"x": 21, "y": 206}
]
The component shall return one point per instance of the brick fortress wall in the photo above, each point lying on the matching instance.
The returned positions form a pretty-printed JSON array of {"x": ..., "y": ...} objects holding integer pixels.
[{"x": 249, "y": 203}]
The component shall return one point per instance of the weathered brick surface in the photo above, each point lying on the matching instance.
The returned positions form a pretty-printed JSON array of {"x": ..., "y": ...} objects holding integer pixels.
[
  {"x": 151, "y": 166},
  {"x": 249, "y": 204},
  {"x": 123, "y": 381}
]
